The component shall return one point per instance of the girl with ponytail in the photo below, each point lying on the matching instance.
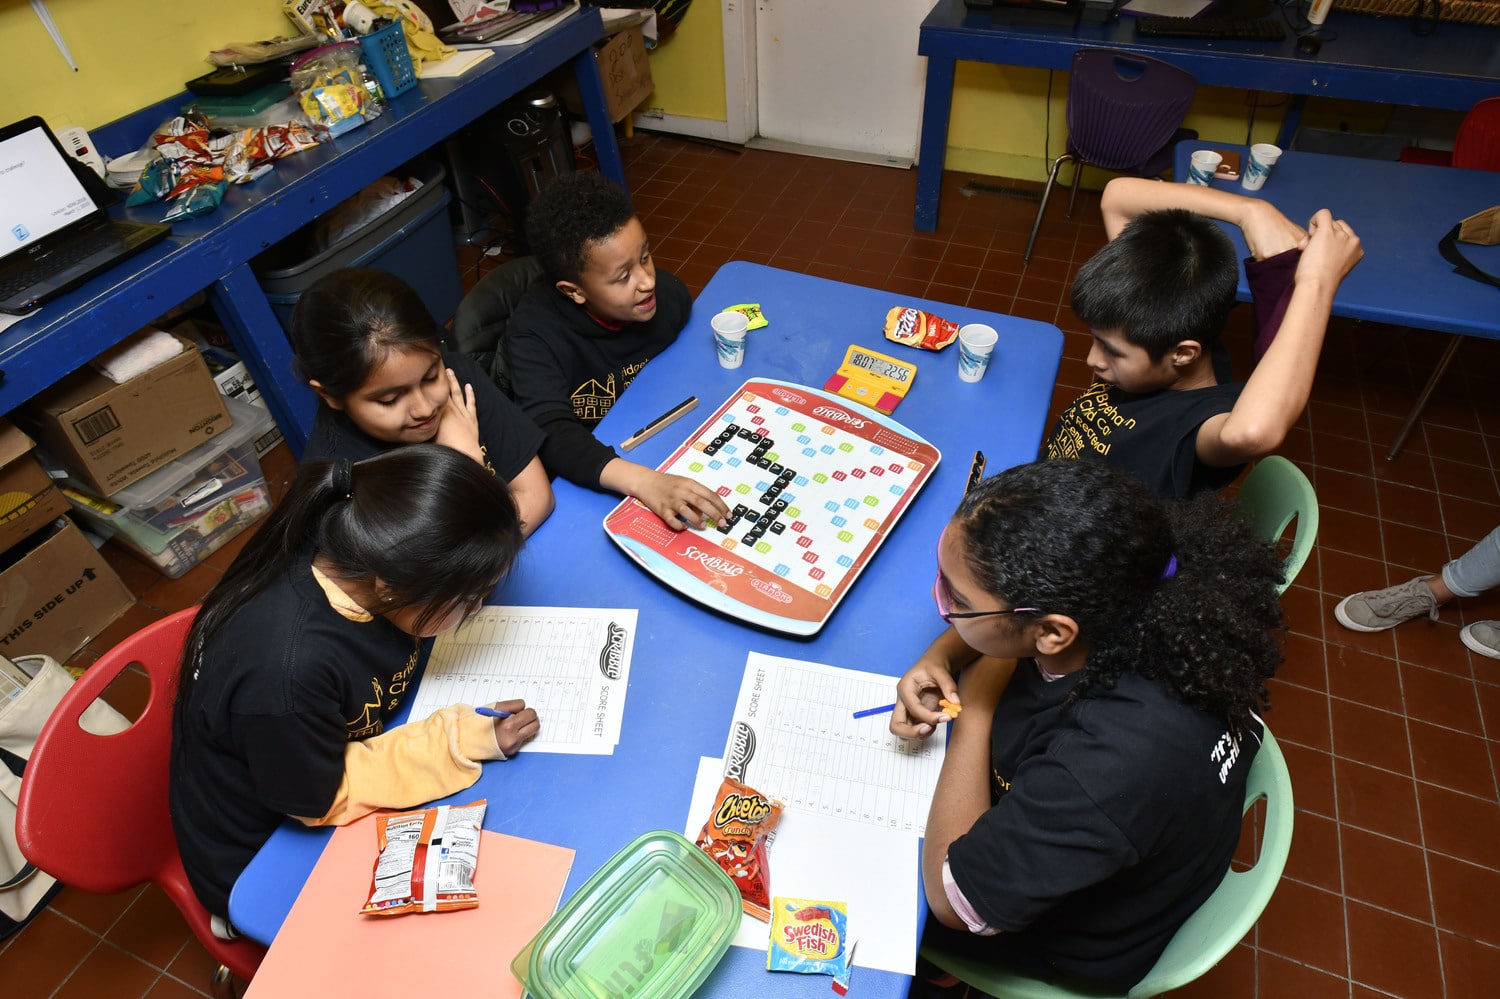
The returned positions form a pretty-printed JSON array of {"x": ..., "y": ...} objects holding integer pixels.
[
  {"x": 302, "y": 653},
  {"x": 1109, "y": 652}
]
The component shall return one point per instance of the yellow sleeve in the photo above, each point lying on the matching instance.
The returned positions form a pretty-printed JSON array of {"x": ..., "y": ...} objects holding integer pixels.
[{"x": 412, "y": 764}]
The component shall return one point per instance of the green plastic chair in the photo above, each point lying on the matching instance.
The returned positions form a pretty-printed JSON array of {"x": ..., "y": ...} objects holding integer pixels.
[
  {"x": 1273, "y": 495},
  {"x": 1210, "y": 933}
]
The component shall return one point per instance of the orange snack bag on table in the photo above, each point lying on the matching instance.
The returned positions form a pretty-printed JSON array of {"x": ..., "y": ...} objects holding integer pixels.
[
  {"x": 916, "y": 328},
  {"x": 735, "y": 837}
]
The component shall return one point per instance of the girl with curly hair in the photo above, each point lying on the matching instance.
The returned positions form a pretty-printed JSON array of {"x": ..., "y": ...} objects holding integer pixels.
[{"x": 1109, "y": 652}]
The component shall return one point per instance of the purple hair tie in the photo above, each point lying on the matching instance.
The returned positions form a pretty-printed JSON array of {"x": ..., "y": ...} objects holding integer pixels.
[{"x": 1171, "y": 569}]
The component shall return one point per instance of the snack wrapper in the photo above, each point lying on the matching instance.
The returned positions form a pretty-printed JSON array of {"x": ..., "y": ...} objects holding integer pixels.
[
  {"x": 807, "y": 936},
  {"x": 427, "y": 860},
  {"x": 736, "y": 835},
  {"x": 753, "y": 314},
  {"x": 916, "y": 328}
]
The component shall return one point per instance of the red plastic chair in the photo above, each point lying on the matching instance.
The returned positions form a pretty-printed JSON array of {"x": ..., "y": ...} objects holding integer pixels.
[
  {"x": 1124, "y": 114},
  {"x": 1477, "y": 145},
  {"x": 93, "y": 811}
]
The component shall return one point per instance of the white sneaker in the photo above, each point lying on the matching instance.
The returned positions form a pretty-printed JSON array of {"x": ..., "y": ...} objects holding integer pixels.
[{"x": 1483, "y": 637}]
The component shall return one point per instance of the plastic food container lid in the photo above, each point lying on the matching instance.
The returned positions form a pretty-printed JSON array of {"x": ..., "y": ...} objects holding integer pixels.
[
  {"x": 249, "y": 422},
  {"x": 653, "y": 921}
]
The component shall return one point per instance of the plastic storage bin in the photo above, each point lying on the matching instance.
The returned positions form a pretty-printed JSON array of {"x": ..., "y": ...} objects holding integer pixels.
[
  {"x": 388, "y": 60},
  {"x": 177, "y": 516},
  {"x": 413, "y": 241}
]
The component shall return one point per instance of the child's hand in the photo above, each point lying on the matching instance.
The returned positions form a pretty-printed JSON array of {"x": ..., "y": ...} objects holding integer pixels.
[
  {"x": 520, "y": 728},
  {"x": 1267, "y": 232},
  {"x": 918, "y": 692},
  {"x": 459, "y": 427},
  {"x": 1332, "y": 250},
  {"x": 680, "y": 501}
]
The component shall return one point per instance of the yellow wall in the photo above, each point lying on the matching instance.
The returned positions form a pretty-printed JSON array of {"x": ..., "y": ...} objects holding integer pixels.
[
  {"x": 129, "y": 55},
  {"x": 688, "y": 68}
]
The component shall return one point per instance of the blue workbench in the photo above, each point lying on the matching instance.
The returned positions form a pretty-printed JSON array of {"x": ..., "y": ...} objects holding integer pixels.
[
  {"x": 213, "y": 253},
  {"x": 1372, "y": 59},
  {"x": 687, "y": 660}
]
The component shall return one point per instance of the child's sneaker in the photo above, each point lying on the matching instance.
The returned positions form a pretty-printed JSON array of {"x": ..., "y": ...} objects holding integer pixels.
[
  {"x": 1377, "y": 610},
  {"x": 1483, "y": 637}
]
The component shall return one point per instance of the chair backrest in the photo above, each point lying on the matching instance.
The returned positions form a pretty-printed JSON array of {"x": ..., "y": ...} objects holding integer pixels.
[
  {"x": 1211, "y": 932},
  {"x": 1227, "y": 915},
  {"x": 1123, "y": 107},
  {"x": 484, "y": 315},
  {"x": 1274, "y": 494},
  {"x": 93, "y": 811},
  {"x": 1477, "y": 145}
]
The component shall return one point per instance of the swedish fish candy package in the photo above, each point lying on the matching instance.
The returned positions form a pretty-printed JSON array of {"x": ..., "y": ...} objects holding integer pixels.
[{"x": 807, "y": 936}]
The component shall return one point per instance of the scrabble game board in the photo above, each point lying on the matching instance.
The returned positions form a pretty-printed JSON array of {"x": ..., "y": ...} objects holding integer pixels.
[{"x": 815, "y": 484}]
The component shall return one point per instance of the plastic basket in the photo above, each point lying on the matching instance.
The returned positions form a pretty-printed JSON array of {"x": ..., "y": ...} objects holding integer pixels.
[{"x": 386, "y": 57}]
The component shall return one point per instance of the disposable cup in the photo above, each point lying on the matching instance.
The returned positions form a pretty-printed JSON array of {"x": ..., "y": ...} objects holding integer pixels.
[
  {"x": 1201, "y": 169},
  {"x": 1263, "y": 157},
  {"x": 729, "y": 337},
  {"x": 976, "y": 345}
]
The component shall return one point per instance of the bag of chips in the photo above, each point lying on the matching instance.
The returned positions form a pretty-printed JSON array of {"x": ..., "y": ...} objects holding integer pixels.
[
  {"x": 735, "y": 837},
  {"x": 916, "y": 328},
  {"x": 427, "y": 860}
]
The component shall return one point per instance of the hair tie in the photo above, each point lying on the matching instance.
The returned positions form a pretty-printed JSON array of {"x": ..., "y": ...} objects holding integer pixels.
[
  {"x": 1171, "y": 569},
  {"x": 343, "y": 477}
]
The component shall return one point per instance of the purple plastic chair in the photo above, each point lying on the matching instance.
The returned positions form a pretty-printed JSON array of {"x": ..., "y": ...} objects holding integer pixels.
[{"x": 1124, "y": 113}]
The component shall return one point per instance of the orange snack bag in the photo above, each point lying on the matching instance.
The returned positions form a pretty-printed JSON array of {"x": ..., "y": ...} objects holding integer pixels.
[
  {"x": 735, "y": 837},
  {"x": 427, "y": 860},
  {"x": 916, "y": 328}
]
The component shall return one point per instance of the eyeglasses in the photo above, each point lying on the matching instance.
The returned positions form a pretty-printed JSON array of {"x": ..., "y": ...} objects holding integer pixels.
[{"x": 943, "y": 597}]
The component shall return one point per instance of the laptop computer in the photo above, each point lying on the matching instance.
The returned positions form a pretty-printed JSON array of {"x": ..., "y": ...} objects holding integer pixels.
[{"x": 54, "y": 232}]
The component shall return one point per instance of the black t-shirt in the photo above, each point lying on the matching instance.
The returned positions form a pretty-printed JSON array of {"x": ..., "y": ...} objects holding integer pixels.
[
  {"x": 1112, "y": 822},
  {"x": 1152, "y": 436},
  {"x": 284, "y": 686},
  {"x": 567, "y": 369},
  {"x": 509, "y": 439}
]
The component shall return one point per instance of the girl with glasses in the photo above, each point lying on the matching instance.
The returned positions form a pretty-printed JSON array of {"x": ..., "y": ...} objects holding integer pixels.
[{"x": 1109, "y": 652}]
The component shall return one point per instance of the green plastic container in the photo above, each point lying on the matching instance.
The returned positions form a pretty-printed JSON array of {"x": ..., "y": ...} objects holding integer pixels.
[{"x": 652, "y": 922}]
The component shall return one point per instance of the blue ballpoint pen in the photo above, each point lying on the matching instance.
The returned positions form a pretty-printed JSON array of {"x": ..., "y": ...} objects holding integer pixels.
[{"x": 491, "y": 712}]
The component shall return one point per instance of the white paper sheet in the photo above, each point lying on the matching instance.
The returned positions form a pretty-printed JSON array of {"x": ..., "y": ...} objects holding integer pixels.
[
  {"x": 794, "y": 737},
  {"x": 817, "y": 857},
  {"x": 570, "y": 663}
]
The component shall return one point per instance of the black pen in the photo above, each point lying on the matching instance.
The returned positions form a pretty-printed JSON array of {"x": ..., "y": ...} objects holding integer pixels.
[
  {"x": 976, "y": 471},
  {"x": 660, "y": 423}
]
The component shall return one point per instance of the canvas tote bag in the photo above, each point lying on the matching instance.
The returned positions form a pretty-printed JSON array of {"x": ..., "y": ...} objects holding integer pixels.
[{"x": 30, "y": 689}]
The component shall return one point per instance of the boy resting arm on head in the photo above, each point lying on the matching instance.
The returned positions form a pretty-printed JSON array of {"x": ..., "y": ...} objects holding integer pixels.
[
  {"x": 577, "y": 340},
  {"x": 1156, "y": 299}
]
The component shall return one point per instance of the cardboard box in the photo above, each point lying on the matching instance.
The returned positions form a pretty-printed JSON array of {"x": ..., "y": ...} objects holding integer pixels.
[
  {"x": 626, "y": 72},
  {"x": 29, "y": 499},
  {"x": 56, "y": 594},
  {"x": 110, "y": 435}
]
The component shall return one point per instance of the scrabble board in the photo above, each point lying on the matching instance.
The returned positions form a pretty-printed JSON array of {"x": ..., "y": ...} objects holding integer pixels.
[{"x": 815, "y": 484}]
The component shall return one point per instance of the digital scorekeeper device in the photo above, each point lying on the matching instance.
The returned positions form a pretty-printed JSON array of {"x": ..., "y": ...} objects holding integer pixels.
[{"x": 872, "y": 378}]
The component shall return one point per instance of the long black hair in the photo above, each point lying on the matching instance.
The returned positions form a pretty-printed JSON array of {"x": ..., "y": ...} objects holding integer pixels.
[
  {"x": 437, "y": 529},
  {"x": 347, "y": 322},
  {"x": 1180, "y": 592}
]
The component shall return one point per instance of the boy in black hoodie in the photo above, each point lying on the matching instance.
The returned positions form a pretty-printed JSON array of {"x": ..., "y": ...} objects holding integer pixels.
[{"x": 577, "y": 340}]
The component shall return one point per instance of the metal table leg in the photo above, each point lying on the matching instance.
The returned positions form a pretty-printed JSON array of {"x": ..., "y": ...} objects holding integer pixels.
[{"x": 1421, "y": 403}]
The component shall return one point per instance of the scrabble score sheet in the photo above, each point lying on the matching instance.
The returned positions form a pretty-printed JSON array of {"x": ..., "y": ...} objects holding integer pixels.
[{"x": 814, "y": 483}]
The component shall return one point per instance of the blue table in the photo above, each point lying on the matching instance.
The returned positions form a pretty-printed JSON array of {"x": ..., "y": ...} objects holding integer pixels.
[
  {"x": 214, "y": 252},
  {"x": 688, "y": 661},
  {"x": 1372, "y": 59},
  {"x": 1400, "y": 211}
]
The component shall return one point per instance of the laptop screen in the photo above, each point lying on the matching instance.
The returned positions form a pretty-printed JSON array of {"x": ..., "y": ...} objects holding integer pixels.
[{"x": 39, "y": 193}]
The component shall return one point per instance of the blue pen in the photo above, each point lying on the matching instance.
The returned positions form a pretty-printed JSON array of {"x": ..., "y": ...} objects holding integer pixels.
[
  {"x": 867, "y": 712},
  {"x": 494, "y": 713}
]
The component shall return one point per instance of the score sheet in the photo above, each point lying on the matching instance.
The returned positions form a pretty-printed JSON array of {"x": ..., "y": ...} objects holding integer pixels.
[
  {"x": 572, "y": 664},
  {"x": 794, "y": 737}
]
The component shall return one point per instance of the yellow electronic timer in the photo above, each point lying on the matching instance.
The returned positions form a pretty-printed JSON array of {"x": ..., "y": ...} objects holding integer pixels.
[{"x": 872, "y": 379}]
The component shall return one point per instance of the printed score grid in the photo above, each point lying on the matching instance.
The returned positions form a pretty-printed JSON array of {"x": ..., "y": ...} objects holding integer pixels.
[
  {"x": 793, "y": 737},
  {"x": 571, "y": 664}
]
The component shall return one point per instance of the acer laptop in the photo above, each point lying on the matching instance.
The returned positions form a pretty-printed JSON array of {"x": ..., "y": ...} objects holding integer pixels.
[{"x": 54, "y": 233}]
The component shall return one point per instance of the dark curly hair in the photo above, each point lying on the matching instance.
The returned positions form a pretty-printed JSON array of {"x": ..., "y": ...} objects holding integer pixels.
[
  {"x": 571, "y": 213},
  {"x": 1168, "y": 276},
  {"x": 1089, "y": 541}
]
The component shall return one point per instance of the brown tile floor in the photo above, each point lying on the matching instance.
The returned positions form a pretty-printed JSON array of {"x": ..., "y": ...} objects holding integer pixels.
[{"x": 1393, "y": 886}]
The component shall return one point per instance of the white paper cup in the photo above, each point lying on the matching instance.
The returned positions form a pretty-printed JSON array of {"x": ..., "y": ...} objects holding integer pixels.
[
  {"x": 1263, "y": 157},
  {"x": 976, "y": 345},
  {"x": 729, "y": 337},
  {"x": 1203, "y": 166}
]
